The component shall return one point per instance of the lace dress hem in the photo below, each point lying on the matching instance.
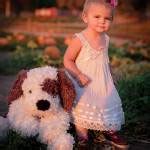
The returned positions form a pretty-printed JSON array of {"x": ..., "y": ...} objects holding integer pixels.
[{"x": 95, "y": 125}]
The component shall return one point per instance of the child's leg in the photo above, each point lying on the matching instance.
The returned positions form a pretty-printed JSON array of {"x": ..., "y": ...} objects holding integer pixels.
[{"x": 82, "y": 132}]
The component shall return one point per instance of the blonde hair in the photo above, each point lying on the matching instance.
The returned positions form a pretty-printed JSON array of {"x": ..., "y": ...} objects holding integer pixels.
[{"x": 88, "y": 3}]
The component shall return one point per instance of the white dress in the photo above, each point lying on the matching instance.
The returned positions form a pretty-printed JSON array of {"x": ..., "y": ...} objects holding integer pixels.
[{"x": 98, "y": 105}]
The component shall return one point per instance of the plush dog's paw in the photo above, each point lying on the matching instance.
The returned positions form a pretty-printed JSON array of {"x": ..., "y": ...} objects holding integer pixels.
[{"x": 63, "y": 142}]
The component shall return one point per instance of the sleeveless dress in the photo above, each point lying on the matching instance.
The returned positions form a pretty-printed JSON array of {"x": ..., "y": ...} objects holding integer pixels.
[{"x": 97, "y": 105}]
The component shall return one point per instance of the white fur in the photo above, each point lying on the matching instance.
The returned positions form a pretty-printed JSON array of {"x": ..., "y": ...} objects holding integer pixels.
[{"x": 24, "y": 116}]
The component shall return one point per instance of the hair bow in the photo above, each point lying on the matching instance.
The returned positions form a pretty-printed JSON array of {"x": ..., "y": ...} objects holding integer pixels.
[{"x": 113, "y": 3}]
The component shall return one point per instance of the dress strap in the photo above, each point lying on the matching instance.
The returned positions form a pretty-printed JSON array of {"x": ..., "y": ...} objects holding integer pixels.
[
  {"x": 107, "y": 47},
  {"x": 107, "y": 40},
  {"x": 81, "y": 38}
]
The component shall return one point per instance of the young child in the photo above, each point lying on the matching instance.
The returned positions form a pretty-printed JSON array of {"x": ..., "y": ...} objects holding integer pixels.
[{"x": 98, "y": 105}]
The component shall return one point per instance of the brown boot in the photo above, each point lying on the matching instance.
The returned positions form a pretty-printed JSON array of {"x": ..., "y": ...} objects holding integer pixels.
[
  {"x": 99, "y": 138},
  {"x": 82, "y": 143},
  {"x": 116, "y": 139}
]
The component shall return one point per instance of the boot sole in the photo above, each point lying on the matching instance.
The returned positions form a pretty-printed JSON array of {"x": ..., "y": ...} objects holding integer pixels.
[{"x": 125, "y": 147}]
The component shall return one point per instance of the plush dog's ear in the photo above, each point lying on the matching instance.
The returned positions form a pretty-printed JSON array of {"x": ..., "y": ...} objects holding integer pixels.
[
  {"x": 66, "y": 90},
  {"x": 16, "y": 90}
]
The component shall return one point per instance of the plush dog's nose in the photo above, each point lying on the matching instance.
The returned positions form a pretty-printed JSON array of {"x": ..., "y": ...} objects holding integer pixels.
[{"x": 43, "y": 105}]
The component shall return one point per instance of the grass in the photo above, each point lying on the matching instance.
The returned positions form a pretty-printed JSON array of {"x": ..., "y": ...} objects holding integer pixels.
[{"x": 135, "y": 95}]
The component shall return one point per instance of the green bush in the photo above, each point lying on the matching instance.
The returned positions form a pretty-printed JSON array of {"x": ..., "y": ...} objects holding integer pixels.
[
  {"x": 135, "y": 95},
  {"x": 130, "y": 60},
  {"x": 5, "y": 34},
  {"x": 22, "y": 58},
  {"x": 129, "y": 69},
  {"x": 133, "y": 51},
  {"x": 26, "y": 58},
  {"x": 118, "y": 52},
  {"x": 9, "y": 47}
]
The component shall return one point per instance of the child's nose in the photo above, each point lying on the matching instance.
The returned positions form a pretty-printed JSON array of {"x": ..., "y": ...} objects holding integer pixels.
[{"x": 102, "y": 20}]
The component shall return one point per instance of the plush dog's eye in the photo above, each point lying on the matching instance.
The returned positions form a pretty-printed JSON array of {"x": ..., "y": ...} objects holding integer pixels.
[{"x": 30, "y": 91}]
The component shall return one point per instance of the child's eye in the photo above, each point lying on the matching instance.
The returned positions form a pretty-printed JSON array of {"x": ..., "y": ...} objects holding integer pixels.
[
  {"x": 30, "y": 91},
  {"x": 107, "y": 18},
  {"x": 97, "y": 16}
]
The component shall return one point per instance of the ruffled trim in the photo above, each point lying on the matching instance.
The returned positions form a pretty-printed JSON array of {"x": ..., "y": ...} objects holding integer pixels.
[
  {"x": 92, "y": 117},
  {"x": 97, "y": 125}
]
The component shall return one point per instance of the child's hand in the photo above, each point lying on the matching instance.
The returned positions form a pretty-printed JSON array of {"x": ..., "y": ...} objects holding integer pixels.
[{"x": 83, "y": 80}]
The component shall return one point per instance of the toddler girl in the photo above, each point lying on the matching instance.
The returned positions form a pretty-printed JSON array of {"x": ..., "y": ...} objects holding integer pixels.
[{"x": 98, "y": 105}]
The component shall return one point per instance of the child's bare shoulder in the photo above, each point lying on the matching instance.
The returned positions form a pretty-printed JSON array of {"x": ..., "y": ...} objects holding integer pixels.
[
  {"x": 76, "y": 39},
  {"x": 75, "y": 42}
]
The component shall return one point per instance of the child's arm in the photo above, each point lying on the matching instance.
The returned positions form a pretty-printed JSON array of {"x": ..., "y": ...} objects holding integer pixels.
[
  {"x": 69, "y": 61},
  {"x": 113, "y": 74},
  {"x": 110, "y": 67}
]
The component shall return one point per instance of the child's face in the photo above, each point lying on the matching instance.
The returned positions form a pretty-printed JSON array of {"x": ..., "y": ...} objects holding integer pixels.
[{"x": 98, "y": 18}]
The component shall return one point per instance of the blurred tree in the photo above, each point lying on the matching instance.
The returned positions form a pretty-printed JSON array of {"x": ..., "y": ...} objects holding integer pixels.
[
  {"x": 17, "y": 5},
  {"x": 140, "y": 6},
  {"x": 7, "y": 8},
  {"x": 45, "y": 3},
  {"x": 71, "y": 4},
  {"x": 79, "y": 3},
  {"x": 29, "y": 5}
]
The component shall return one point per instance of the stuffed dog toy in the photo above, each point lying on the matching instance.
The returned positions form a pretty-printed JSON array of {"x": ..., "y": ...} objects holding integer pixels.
[{"x": 39, "y": 103}]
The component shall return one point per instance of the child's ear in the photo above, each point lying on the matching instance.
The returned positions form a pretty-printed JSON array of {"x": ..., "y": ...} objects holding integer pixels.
[{"x": 84, "y": 17}]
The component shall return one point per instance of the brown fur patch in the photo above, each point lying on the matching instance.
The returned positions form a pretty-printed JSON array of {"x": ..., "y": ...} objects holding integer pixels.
[
  {"x": 16, "y": 90},
  {"x": 50, "y": 86}
]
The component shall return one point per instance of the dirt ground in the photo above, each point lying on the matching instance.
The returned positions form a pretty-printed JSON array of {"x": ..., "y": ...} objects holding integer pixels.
[{"x": 5, "y": 84}]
